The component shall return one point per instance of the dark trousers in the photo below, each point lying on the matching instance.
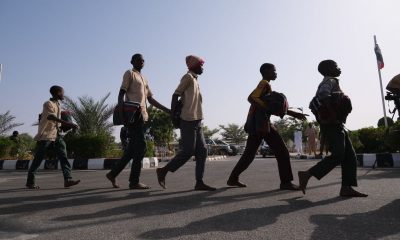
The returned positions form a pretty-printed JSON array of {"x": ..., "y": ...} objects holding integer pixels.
[
  {"x": 276, "y": 143},
  {"x": 192, "y": 144},
  {"x": 342, "y": 153},
  {"x": 135, "y": 150},
  {"x": 61, "y": 152}
]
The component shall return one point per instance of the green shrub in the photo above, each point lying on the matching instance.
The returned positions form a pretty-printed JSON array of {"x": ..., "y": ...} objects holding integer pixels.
[
  {"x": 88, "y": 146},
  {"x": 393, "y": 137},
  {"x": 150, "y": 152},
  {"x": 355, "y": 140},
  {"x": 373, "y": 140},
  {"x": 5, "y": 147}
]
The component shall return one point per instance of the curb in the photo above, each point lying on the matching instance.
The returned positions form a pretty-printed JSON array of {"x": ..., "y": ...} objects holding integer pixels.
[
  {"x": 383, "y": 160},
  {"x": 216, "y": 158},
  {"x": 193, "y": 159},
  {"x": 76, "y": 164}
]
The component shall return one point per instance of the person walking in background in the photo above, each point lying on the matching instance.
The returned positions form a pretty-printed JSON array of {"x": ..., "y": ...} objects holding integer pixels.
[
  {"x": 311, "y": 134},
  {"x": 192, "y": 137},
  {"x": 331, "y": 108},
  {"x": 48, "y": 136},
  {"x": 259, "y": 129},
  {"x": 135, "y": 88},
  {"x": 323, "y": 145}
]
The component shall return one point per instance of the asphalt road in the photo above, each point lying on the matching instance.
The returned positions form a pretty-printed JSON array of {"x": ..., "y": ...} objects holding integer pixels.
[{"x": 93, "y": 210}]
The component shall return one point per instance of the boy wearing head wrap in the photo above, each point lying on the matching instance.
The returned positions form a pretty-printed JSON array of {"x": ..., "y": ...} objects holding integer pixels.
[{"x": 192, "y": 137}]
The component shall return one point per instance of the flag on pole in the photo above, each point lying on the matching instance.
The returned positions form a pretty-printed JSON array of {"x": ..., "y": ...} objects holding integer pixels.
[{"x": 379, "y": 57}]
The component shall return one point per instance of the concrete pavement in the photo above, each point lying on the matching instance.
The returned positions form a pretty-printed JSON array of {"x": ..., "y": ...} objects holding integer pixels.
[{"x": 93, "y": 210}]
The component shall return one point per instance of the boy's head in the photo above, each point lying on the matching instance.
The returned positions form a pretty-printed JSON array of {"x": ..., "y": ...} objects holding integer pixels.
[
  {"x": 195, "y": 64},
  {"x": 57, "y": 92},
  {"x": 268, "y": 71},
  {"x": 15, "y": 133},
  {"x": 137, "y": 61},
  {"x": 329, "y": 68}
]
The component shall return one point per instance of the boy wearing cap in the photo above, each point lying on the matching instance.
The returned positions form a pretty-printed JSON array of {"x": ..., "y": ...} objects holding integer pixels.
[{"x": 192, "y": 137}]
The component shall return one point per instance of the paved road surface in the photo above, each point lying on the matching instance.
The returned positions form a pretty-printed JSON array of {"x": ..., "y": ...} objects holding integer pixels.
[{"x": 93, "y": 210}]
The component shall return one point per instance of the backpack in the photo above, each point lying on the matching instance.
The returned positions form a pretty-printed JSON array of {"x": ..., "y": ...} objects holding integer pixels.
[
  {"x": 276, "y": 103},
  {"x": 340, "y": 103}
]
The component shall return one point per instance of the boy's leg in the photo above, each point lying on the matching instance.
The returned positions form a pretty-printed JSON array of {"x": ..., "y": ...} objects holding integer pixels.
[
  {"x": 41, "y": 147},
  {"x": 121, "y": 163},
  {"x": 252, "y": 144},
  {"x": 200, "y": 153},
  {"x": 188, "y": 146},
  {"x": 138, "y": 142},
  {"x": 335, "y": 137},
  {"x": 275, "y": 141},
  {"x": 349, "y": 165},
  {"x": 186, "y": 151},
  {"x": 61, "y": 151}
]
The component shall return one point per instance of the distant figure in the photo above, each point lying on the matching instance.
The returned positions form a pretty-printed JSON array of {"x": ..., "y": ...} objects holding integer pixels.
[
  {"x": 191, "y": 126},
  {"x": 311, "y": 134},
  {"x": 48, "y": 136},
  {"x": 134, "y": 88},
  {"x": 331, "y": 108},
  {"x": 15, "y": 149},
  {"x": 323, "y": 145},
  {"x": 298, "y": 142},
  {"x": 15, "y": 137},
  {"x": 258, "y": 127}
]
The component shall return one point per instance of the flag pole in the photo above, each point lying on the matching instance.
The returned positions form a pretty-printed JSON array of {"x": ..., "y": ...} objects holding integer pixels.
[{"x": 382, "y": 95}]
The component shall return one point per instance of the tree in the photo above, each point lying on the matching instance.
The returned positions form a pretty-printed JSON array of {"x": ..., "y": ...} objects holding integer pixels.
[
  {"x": 233, "y": 133},
  {"x": 381, "y": 122},
  {"x": 91, "y": 116},
  {"x": 7, "y": 123},
  {"x": 287, "y": 126},
  {"x": 160, "y": 126},
  {"x": 208, "y": 133}
]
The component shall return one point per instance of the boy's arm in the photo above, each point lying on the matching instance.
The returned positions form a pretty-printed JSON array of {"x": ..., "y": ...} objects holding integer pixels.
[
  {"x": 52, "y": 115},
  {"x": 254, "y": 97}
]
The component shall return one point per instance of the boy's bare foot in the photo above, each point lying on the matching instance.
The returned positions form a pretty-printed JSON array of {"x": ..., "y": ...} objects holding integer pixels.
[
  {"x": 139, "y": 186},
  {"x": 113, "y": 181},
  {"x": 235, "y": 183},
  {"x": 161, "y": 173},
  {"x": 289, "y": 186},
  {"x": 346, "y": 191},
  {"x": 304, "y": 176},
  {"x": 32, "y": 186}
]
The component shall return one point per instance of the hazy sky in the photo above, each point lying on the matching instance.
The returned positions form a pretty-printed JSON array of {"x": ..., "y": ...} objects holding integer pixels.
[{"x": 86, "y": 45}]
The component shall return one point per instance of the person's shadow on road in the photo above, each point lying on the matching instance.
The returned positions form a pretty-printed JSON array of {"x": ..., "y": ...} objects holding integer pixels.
[
  {"x": 242, "y": 220},
  {"x": 376, "y": 224}
]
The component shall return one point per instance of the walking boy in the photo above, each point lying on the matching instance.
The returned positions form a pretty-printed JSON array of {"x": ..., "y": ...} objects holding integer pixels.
[
  {"x": 259, "y": 129},
  {"x": 332, "y": 128},
  {"x": 48, "y": 136},
  {"x": 134, "y": 88},
  {"x": 192, "y": 137}
]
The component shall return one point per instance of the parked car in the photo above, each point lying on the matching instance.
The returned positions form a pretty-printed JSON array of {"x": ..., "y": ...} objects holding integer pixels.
[
  {"x": 232, "y": 147},
  {"x": 265, "y": 150},
  {"x": 219, "y": 149}
]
